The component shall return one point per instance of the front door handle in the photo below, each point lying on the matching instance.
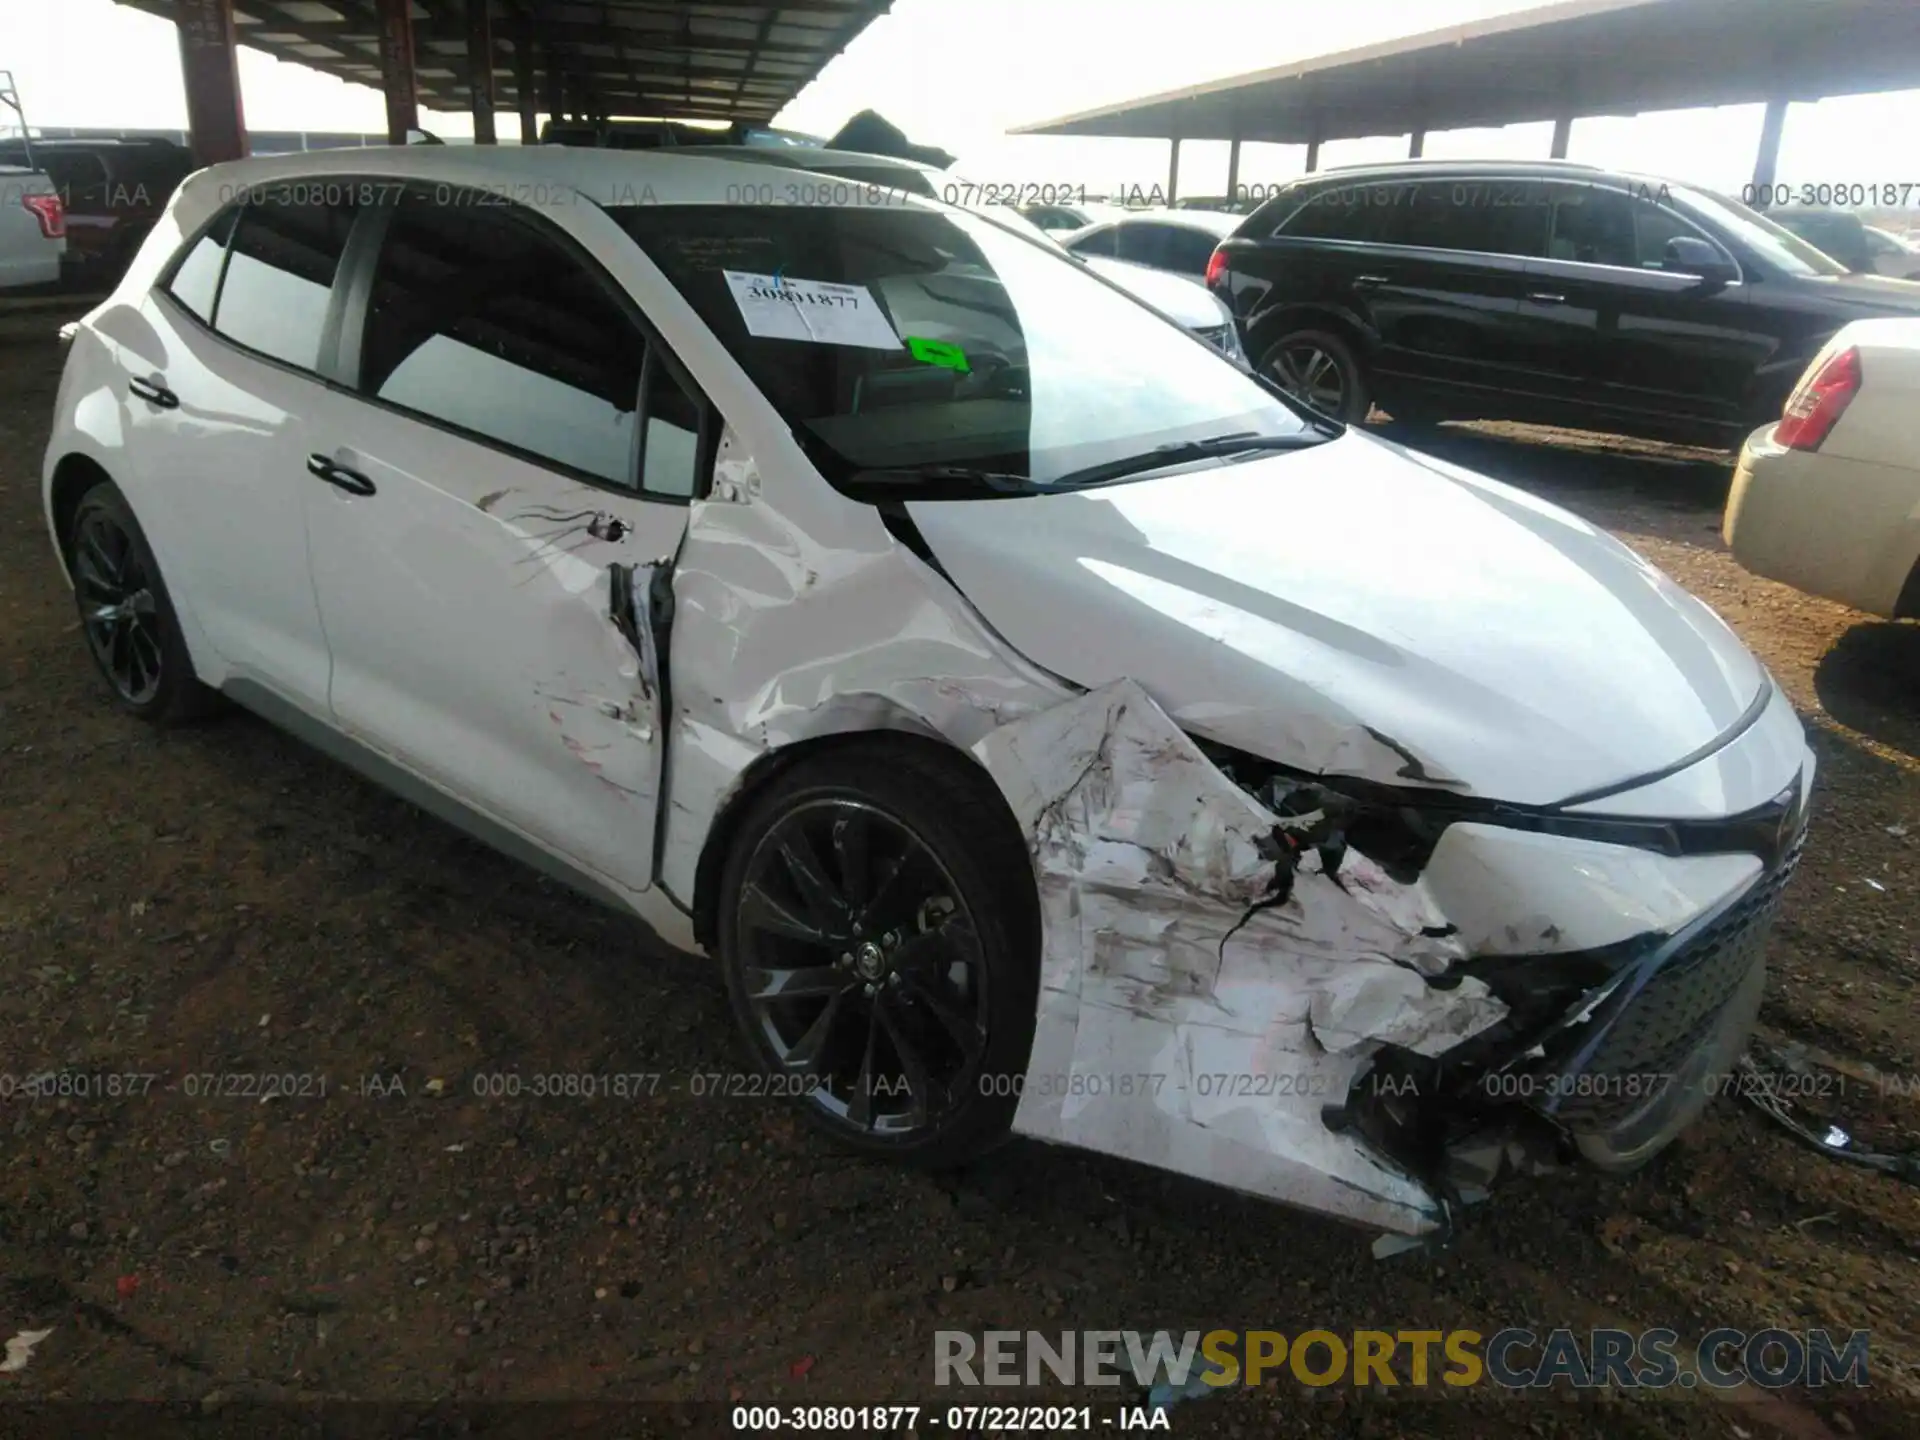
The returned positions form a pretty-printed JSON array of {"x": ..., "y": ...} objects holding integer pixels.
[
  {"x": 351, "y": 481},
  {"x": 1546, "y": 297},
  {"x": 1368, "y": 282},
  {"x": 154, "y": 393}
]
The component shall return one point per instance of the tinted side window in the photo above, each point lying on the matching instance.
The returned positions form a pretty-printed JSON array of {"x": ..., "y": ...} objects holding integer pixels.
[
  {"x": 482, "y": 321},
  {"x": 280, "y": 278},
  {"x": 1101, "y": 242},
  {"x": 1186, "y": 251},
  {"x": 670, "y": 452},
  {"x": 1370, "y": 213},
  {"x": 1653, "y": 227},
  {"x": 1142, "y": 244},
  {"x": 1593, "y": 226},
  {"x": 1486, "y": 217},
  {"x": 196, "y": 279}
]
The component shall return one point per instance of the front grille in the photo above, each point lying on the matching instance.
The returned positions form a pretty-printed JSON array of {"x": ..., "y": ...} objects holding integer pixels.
[{"x": 1677, "y": 1011}]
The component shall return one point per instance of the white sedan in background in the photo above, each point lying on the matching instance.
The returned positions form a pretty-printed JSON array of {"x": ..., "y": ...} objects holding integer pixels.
[{"x": 1827, "y": 498}]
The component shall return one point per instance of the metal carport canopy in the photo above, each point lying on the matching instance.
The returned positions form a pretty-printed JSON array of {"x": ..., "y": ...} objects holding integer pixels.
[
  {"x": 1558, "y": 62},
  {"x": 666, "y": 59}
]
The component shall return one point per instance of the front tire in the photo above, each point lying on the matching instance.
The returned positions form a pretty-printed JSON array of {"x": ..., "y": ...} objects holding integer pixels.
[
  {"x": 1320, "y": 369},
  {"x": 880, "y": 940},
  {"x": 126, "y": 615}
]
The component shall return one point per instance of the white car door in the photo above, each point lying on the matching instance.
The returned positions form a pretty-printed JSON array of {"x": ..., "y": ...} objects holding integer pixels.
[
  {"x": 483, "y": 517},
  {"x": 220, "y": 380}
]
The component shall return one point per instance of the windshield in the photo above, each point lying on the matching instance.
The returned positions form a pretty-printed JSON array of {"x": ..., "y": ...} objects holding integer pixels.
[
  {"x": 1775, "y": 244},
  {"x": 905, "y": 339}
]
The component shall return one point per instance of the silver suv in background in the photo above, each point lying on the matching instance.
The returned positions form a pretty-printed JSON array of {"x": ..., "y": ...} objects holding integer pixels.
[{"x": 33, "y": 229}]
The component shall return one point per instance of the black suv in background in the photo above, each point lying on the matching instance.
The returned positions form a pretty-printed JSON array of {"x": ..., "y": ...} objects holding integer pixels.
[{"x": 1554, "y": 293}]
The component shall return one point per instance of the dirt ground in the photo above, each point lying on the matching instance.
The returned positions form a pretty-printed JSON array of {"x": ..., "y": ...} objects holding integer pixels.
[{"x": 222, "y": 899}]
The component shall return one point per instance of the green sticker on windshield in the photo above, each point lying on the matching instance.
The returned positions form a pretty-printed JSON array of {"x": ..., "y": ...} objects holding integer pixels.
[{"x": 937, "y": 352}]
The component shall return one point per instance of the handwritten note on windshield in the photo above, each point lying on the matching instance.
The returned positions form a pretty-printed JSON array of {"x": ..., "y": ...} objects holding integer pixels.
[{"x": 780, "y": 307}]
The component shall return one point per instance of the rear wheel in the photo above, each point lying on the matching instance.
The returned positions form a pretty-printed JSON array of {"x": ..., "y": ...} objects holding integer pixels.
[
  {"x": 880, "y": 945},
  {"x": 1320, "y": 369},
  {"x": 126, "y": 615}
]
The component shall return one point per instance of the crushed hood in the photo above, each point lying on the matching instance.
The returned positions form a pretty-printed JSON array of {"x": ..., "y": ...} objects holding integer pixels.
[{"x": 1357, "y": 609}]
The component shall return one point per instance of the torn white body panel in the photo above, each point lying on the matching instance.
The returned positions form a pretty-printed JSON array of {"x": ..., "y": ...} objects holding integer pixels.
[
  {"x": 1181, "y": 1022},
  {"x": 756, "y": 588}
]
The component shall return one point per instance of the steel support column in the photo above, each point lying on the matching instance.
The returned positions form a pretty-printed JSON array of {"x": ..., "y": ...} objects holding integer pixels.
[
  {"x": 480, "y": 71},
  {"x": 1416, "y": 145},
  {"x": 209, "y": 65},
  {"x": 523, "y": 82},
  {"x": 1173, "y": 171},
  {"x": 1767, "y": 161},
  {"x": 556, "y": 99},
  {"x": 1313, "y": 155},
  {"x": 1562, "y": 133},
  {"x": 396, "y": 70},
  {"x": 1233, "y": 170}
]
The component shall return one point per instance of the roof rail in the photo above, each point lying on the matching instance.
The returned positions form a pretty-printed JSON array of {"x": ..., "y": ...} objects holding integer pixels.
[{"x": 1436, "y": 163}]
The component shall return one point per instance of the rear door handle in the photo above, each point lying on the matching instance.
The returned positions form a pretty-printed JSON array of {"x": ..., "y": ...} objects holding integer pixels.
[
  {"x": 1368, "y": 282},
  {"x": 1546, "y": 297},
  {"x": 351, "y": 481},
  {"x": 154, "y": 394}
]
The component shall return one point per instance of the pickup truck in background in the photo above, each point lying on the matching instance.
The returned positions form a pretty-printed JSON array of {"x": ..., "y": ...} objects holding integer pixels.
[{"x": 33, "y": 229}]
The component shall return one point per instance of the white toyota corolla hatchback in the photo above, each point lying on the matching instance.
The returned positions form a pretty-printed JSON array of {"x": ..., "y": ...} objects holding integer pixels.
[{"x": 1044, "y": 725}]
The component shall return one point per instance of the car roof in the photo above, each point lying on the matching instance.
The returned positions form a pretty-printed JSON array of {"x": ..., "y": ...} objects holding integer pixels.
[
  {"x": 674, "y": 175},
  {"x": 1213, "y": 222},
  {"x": 1499, "y": 169},
  {"x": 809, "y": 157}
]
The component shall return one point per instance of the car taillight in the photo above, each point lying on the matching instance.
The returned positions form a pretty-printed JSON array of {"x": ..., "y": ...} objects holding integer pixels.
[
  {"x": 1818, "y": 401},
  {"x": 51, "y": 214},
  {"x": 1216, "y": 266}
]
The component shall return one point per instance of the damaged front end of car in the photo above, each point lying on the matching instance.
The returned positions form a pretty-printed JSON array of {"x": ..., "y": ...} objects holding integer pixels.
[{"x": 1365, "y": 999}]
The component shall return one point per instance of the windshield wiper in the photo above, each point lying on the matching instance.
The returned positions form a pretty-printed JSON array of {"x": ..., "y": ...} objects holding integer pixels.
[
  {"x": 1001, "y": 481},
  {"x": 1182, "y": 451}
]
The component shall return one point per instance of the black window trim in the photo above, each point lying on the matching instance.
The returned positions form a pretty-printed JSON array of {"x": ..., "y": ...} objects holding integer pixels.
[
  {"x": 359, "y": 290},
  {"x": 1615, "y": 187},
  {"x": 349, "y": 304},
  {"x": 329, "y": 325}
]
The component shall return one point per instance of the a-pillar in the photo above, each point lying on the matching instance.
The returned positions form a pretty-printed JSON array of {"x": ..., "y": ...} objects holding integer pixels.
[
  {"x": 396, "y": 70},
  {"x": 480, "y": 71},
  {"x": 209, "y": 65}
]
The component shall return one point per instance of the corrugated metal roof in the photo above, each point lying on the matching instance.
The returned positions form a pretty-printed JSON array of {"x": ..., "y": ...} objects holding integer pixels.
[
  {"x": 1585, "y": 57},
  {"x": 676, "y": 59}
]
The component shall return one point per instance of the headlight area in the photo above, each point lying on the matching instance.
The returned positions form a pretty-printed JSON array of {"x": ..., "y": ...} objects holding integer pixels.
[{"x": 1629, "y": 955}]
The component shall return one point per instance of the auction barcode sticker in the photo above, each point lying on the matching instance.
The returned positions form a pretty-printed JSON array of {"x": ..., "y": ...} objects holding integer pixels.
[{"x": 780, "y": 307}]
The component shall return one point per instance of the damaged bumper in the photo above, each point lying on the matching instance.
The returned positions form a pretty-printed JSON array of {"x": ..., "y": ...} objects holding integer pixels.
[{"x": 1349, "y": 1007}]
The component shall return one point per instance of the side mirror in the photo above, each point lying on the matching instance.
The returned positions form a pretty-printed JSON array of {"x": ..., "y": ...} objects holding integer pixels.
[{"x": 1690, "y": 255}]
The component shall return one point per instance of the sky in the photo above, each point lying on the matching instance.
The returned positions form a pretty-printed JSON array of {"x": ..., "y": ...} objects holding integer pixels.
[{"x": 960, "y": 73}]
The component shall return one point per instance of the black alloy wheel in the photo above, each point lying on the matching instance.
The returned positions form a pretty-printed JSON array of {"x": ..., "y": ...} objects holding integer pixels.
[
  {"x": 1320, "y": 370},
  {"x": 870, "y": 961},
  {"x": 117, "y": 610},
  {"x": 126, "y": 614}
]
